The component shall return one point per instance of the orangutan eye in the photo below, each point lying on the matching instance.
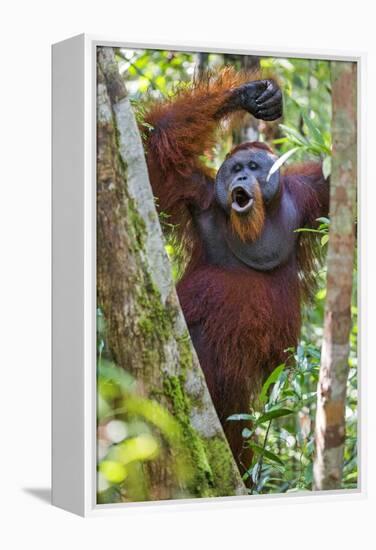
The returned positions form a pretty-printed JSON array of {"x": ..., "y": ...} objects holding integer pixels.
[
  {"x": 253, "y": 165},
  {"x": 237, "y": 167}
]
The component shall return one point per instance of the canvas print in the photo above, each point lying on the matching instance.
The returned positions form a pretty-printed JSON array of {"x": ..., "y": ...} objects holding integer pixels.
[{"x": 226, "y": 275}]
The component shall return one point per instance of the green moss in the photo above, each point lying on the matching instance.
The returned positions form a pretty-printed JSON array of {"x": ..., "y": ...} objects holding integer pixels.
[
  {"x": 136, "y": 224},
  {"x": 202, "y": 482},
  {"x": 211, "y": 459},
  {"x": 220, "y": 459},
  {"x": 185, "y": 351},
  {"x": 156, "y": 323},
  {"x": 146, "y": 325}
]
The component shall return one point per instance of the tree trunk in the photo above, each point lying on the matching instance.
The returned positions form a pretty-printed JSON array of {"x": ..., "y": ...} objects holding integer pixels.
[
  {"x": 202, "y": 64},
  {"x": 246, "y": 127},
  {"x": 331, "y": 399},
  {"x": 146, "y": 329}
]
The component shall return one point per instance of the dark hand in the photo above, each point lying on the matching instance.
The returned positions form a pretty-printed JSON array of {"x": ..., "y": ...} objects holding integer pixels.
[{"x": 261, "y": 98}]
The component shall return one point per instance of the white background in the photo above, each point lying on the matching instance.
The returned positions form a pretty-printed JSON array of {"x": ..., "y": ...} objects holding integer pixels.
[{"x": 27, "y": 30}]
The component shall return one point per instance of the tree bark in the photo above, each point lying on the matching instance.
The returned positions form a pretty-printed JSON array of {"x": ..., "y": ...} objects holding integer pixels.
[
  {"x": 202, "y": 63},
  {"x": 146, "y": 329},
  {"x": 331, "y": 399},
  {"x": 246, "y": 127}
]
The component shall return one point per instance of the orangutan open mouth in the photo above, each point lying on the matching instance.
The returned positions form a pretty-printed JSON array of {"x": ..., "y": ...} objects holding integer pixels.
[{"x": 242, "y": 200}]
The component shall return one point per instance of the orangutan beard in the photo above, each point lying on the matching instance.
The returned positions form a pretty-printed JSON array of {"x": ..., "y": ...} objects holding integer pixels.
[{"x": 249, "y": 226}]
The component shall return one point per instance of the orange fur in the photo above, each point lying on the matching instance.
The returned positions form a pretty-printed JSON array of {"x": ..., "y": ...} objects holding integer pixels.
[
  {"x": 242, "y": 320},
  {"x": 250, "y": 145},
  {"x": 189, "y": 114},
  {"x": 249, "y": 226}
]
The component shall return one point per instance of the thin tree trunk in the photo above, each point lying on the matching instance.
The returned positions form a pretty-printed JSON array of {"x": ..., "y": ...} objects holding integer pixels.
[
  {"x": 246, "y": 127},
  {"x": 330, "y": 416},
  {"x": 202, "y": 64},
  {"x": 146, "y": 329}
]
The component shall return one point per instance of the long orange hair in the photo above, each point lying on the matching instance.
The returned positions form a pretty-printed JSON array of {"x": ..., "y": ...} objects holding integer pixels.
[{"x": 249, "y": 226}]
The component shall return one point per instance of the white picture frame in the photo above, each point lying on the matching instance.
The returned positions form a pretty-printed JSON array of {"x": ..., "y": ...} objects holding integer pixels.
[{"x": 74, "y": 274}]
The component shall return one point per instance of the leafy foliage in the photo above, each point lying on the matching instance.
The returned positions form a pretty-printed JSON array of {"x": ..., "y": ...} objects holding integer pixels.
[
  {"x": 282, "y": 436},
  {"x": 131, "y": 431}
]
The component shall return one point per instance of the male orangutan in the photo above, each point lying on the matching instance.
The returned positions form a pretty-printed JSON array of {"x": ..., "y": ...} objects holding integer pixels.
[{"x": 248, "y": 270}]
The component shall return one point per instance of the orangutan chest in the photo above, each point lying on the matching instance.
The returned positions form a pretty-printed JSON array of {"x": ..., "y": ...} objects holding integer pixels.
[{"x": 275, "y": 245}]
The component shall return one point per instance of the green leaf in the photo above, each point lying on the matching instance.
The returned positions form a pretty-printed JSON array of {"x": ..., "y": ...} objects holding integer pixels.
[
  {"x": 113, "y": 471},
  {"x": 279, "y": 141},
  {"x": 307, "y": 230},
  {"x": 297, "y": 387},
  {"x": 317, "y": 149},
  {"x": 275, "y": 413},
  {"x": 264, "y": 452},
  {"x": 108, "y": 371},
  {"x": 317, "y": 135},
  {"x": 255, "y": 472},
  {"x": 240, "y": 417},
  {"x": 352, "y": 476},
  {"x": 294, "y": 135},
  {"x": 327, "y": 167},
  {"x": 324, "y": 240},
  {"x": 277, "y": 388},
  {"x": 280, "y": 161},
  {"x": 272, "y": 378},
  {"x": 246, "y": 433}
]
